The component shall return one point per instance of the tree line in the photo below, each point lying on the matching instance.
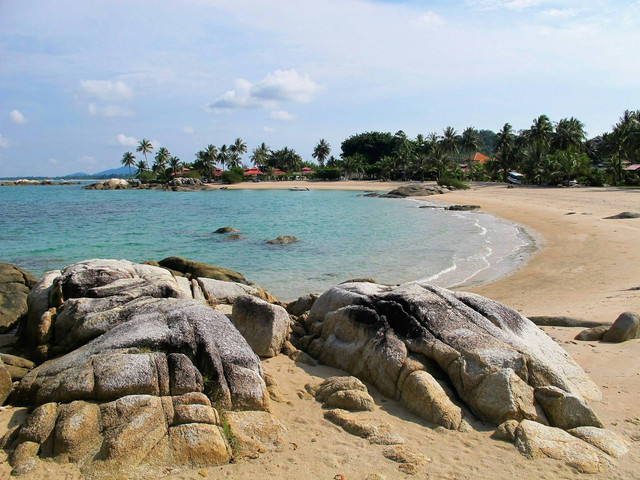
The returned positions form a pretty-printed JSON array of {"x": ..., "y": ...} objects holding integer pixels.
[{"x": 545, "y": 153}]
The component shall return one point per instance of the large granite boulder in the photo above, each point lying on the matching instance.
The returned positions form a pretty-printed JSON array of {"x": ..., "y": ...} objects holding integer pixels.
[
  {"x": 15, "y": 284},
  {"x": 111, "y": 184},
  {"x": 263, "y": 325},
  {"x": 138, "y": 371},
  {"x": 479, "y": 352}
]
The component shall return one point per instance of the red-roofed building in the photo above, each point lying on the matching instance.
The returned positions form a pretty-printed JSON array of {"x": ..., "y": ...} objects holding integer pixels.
[
  {"x": 279, "y": 172},
  {"x": 252, "y": 172},
  {"x": 478, "y": 158},
  {"x": 306, "y": 171}
]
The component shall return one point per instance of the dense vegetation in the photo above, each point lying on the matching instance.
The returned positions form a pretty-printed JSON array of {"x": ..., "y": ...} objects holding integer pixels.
[{"x": 545, "y": 153}]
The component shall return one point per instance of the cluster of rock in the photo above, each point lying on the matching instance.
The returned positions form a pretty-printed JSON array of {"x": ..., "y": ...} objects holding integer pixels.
[
  {"x": 453, "y": 358},
  {"x": 138, "y": 372},
  {"x": 412, "y": 190},
  {"x": 626, "y": 327},
  {"x": 178, "y": 184},
  {"x": 111, "y": 184},
  {"x": 139, "y": 369}
]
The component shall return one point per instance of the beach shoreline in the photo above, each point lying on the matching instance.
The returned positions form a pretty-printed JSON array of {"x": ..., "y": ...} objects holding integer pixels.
[{"x": 583, "y": 265}]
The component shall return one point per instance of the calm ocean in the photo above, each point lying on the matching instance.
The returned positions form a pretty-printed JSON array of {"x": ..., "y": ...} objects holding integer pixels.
[{"x": 342, "y": 235}]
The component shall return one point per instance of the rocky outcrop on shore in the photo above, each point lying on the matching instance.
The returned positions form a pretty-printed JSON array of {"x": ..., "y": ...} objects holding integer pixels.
[
  {"x": 138, "y": 372},
  {"x": 15, "y": 284},
  {"x": 412, "y": 190},
  {"x": 176, "y": 184},
  {"x": 456, "y": 358}
]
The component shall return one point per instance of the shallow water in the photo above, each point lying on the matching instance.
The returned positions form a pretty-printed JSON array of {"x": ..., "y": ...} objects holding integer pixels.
[{"x": 342, "y": 235}]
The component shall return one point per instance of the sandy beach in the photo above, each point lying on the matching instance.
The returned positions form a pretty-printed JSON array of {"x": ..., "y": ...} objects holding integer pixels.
[{"x": 586, "y": 267}]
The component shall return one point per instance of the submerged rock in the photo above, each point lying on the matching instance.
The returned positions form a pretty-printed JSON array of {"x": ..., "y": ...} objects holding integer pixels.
[
  {"x": 283, "y": 240},
  {"x": 223, "y": 230}
]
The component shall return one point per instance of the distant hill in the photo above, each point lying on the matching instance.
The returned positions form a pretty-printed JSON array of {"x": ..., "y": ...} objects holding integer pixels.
[
  {"x": 76, "y": 175},
  {"x": 113, "y": 172}
]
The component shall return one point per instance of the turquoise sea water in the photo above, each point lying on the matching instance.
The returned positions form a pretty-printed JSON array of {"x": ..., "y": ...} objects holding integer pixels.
[{"x": 342, "y": 235}]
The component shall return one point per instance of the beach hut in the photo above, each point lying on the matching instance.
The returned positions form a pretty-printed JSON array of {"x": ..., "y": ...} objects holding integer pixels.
[
  {"x": 252, "y": 172},
  {"x": 306, "y": 171}
]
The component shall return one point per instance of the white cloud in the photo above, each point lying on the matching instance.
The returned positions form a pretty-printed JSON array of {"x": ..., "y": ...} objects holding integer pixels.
[
  {"x": 106, "y": 90},
  {"x": 281, "y": 115},
  {"x": 557, "y": 14},
  {"x": 4, "y": 143},
  {"x": 509, "y": 4},
  {"x": 17, "y": 117},
  {"x": 86, "y": 159},
  {"x": 428, "y": 20},
  {"x": 109, "y": 111},
  {"x": 127, "y": 141},
  {"x": 279, "y": 86},
  {"x": 53, "y": 161},
  {"x": 188, "y": 130},
  {"x": 268, "y": 129}
]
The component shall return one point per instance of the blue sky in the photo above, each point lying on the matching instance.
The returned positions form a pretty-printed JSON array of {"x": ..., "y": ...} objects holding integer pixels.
[{"x": 82, "y": 81}]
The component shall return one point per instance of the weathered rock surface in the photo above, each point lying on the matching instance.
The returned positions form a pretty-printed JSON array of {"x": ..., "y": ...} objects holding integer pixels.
[
  {"x": 264, "y": 326},
  {"x": 254, "y": 431},
  {"x": 592, "y": 334},
  {"x": 535, "y": 440},
  {"x": 425, "y": 397},
  {"x": 140, "y": 365},
  {"x": 218, "y": 291},
  {"x": 6, "y": 383},
  {"x": 193, "y": 270},
  {"x": 605, "y": 440},
  {"x": 15, "y": 284},
  {"x": 111, "y": 184},
  {"x": 565, "y": 410},
  {"x": 302, "y": 305},
  {"x": 624, "y": 328},
  {"x": 489, "y": 355},
  {"x": 417, "y": 191},
  {"x": 346, "y": 393},
  {"x": 360, "y": 425}
]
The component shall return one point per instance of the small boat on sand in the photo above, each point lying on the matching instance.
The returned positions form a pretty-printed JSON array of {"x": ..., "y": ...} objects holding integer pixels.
[{"x": 299, "y": 189}]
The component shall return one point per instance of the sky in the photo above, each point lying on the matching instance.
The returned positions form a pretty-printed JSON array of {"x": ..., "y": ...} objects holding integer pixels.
[{"x": 82, "y": 82}]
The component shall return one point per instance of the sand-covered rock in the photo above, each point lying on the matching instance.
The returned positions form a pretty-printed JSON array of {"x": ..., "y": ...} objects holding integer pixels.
[
  {"x": 346, "y": 393},
  {"x": 134, "y": 367},
  {"x": 493, "y": 357},
  {"x": 535, "y": 440}
]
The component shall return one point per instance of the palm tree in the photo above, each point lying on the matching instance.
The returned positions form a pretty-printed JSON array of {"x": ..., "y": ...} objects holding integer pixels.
[
  {"x": 260, "y": 155},
  {"x": 174, "y": 162},
  {"x": 321, "y": 152},
  {"x": 160, "y": 165},
  {"x": 145, "y": 147},
  {"x": 504, "y": 158},
  {"x": 470, "y": 140},
  {"x": 438, "y": 160},
  {"x": 237, "y": 149},
  {"x": 449, "y": 142},
  {"x": 141, "y": 167},
  {"x": 128, "y": 160},
  {"x": 569, "y": 133},
  {"x": 223, "y": 155}
]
